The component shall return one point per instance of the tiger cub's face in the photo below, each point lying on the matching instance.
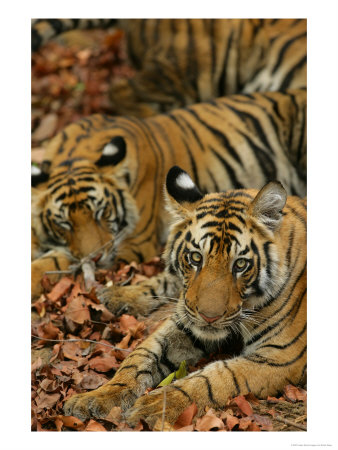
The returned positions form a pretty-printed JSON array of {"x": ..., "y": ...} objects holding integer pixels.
[
  {"x": 82, "y": 211},
  {"x": 223, "y": 247}
]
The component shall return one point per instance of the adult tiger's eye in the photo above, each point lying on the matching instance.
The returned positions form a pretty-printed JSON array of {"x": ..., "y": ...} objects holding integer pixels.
[
  {"x": 240, "y": 264},
  {"x": 195, "y": 258}
]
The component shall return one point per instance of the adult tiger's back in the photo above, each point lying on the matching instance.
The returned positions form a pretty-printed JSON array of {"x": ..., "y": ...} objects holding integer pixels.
[{"x": 183, "y": 61}]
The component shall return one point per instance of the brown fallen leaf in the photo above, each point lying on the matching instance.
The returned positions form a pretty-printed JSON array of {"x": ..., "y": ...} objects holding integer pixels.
[
  {"x": 48, "y": 331},
  {"x": 186, "y": 417},
  {"x": 250, "y": 397},
  {"x": 36, "y": 364},
  {"x": 72, "y": 422},
  {"x": 231, "y": 421},
  {"x": 49, "y": 385},
  {"x": 94, "y": 426},
  {"x": 127, "y": 322},
  {"x": 72, "y": 350},
  {"x": 103, "y": 363},
  {"x": 209, "y": 422},
  {"x": 294, "y": 394},
  {"x": 187, "y": 428},
  {"x": 106, "y": 315},
  {"x": 254, "y": 427},
  {"x": 44, "y": 400},
  {"x": 60, "y": 289},
  {"x": 243, "y": 405},
  {"x": 92, "y": 380},
  {"x": 245, "y": 422},
  {"x": 77, "y": 310},
  {"x": 264, "y": 422},
  {"x": 58, "y": 423}
]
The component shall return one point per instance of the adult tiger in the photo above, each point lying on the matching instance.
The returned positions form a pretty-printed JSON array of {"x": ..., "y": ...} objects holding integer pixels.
[
  {"x": 103, "y": 176},
  {"x": 185, "y": 61},
  {"x": 241, "y": 259}
]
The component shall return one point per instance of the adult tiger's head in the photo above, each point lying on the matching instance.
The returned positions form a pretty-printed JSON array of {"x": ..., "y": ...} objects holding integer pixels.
[
  {"x": 82, "y": 208},
  {"x": 225, "y": 248}
]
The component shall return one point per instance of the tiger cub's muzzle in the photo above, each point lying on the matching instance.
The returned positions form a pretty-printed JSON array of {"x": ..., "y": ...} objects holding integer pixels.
[{"x": 213, "y": 299}]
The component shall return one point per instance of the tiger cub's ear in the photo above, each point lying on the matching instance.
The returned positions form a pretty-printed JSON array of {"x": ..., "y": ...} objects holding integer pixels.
[
  {"x": 181, "y": 192},
  {"x": 267, "y": 206},
  {"x": 113, "y": 152}
]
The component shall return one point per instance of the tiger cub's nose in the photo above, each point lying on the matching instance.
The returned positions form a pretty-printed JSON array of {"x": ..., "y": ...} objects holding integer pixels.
[{"x": 209, "y": 319}]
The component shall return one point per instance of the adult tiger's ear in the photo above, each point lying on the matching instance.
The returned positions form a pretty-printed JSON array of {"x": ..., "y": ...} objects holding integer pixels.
[
  {"x": 181, "y": 192},
  {"x": 40, "y": 175},
  {"x": 113, "y": 152},
  {"x": 267, "y": 206}
]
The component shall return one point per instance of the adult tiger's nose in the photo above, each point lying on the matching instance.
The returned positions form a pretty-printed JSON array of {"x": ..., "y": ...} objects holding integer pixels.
[{"x": 210, "y": 319}]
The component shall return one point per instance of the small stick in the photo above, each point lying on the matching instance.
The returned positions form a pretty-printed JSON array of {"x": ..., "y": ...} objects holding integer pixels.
[
  {"x": 58, "y": 272},
  {"x": 288, "y": 422},
  {"x": 81, "y": 340},
  {"x": 164, "y": 406}
]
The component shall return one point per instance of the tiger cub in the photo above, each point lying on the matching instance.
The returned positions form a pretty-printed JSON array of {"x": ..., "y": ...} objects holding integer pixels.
[
  {"x": 99, "y": 191},
  {"x": 184, "y": 61},
  {"x": 241, "y": 260}
]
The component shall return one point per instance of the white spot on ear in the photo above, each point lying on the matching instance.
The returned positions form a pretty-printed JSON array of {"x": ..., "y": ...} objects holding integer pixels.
[
  {"x": 110, "y": 149},
  {"x": 35, "y": 171},
  {"x": 184, "y": 181}
]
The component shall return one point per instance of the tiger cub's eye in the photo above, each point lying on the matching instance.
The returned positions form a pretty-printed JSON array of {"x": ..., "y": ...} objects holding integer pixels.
[
  {"x": 195, "y": 258},
  {"x": 240, "y": 264}
]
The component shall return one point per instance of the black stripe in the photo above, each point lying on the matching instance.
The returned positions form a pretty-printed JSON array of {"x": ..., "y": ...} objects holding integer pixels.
[
  {"x": 210, "y": 394},
  {"x": 261, "y": 360},
  {"x": 56, "y": 263},
  {"x": 173, "y": 386},
  {"x": 233, "y": 377},
  {"x": 267, "y": 257},
  {"x": 265, "y": 161},
  {"x": 272, "y": 326},
  {"x": 255, "y": 121},
  {"x": 164, "y": 358},
  {"x": 284, "y": 49},
  {"x": 144, "y": 372},
  {"x": 244, "y": 252},
  {"x": 127, "y": 367},
  {"x": 255, "y": 284},
  {"x": 289, "y": 343},
  {"x": 222, "y": 83},
  {"x": 297, "y": 214},
  {"x": 219, "y": 135},
  {"x": 229, "y": 170},
  {"x": 287, "y": 80},
  {"x": 212, "y": 223},
  {"x": 232, "y": 226}
]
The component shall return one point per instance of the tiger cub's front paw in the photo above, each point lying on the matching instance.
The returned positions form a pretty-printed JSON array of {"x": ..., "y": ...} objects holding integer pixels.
[
  {"x": 98, "y": 403},
  {"x": 167, "y": 401},
  {"x": 133, "y": 300}
]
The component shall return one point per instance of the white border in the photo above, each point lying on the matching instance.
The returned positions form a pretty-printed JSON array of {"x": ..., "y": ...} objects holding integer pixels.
[{"x": 15, "y": 204}]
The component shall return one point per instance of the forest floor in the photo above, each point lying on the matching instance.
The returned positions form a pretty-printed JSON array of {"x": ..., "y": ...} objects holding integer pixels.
[{"x": 74, "y": 337}]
